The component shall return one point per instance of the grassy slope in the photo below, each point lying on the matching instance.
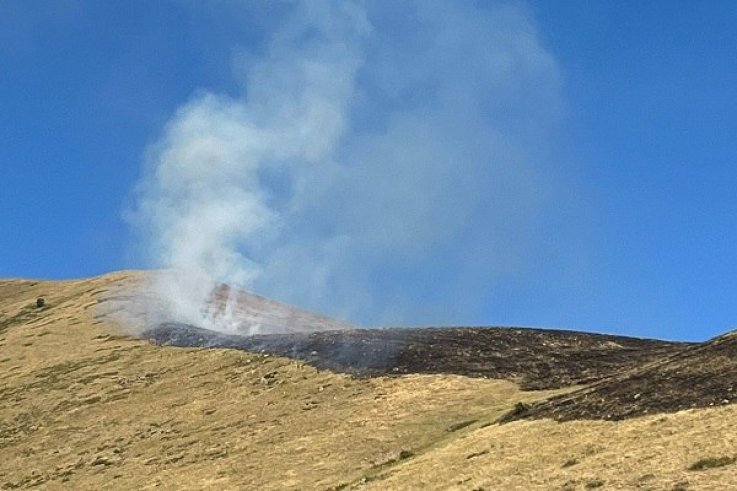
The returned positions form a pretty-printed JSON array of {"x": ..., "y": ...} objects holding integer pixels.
[{"x": 82, "y": 407}]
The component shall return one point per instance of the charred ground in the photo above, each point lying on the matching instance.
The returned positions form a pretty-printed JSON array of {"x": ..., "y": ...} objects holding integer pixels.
[
  {"x": 537, "y": 359},
  {"x": 704, "y": 375},
  {"x": 622, "y": 377}
]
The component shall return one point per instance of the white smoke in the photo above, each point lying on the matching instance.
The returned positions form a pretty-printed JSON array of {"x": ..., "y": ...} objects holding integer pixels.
[{"x": 385, "y": 162}]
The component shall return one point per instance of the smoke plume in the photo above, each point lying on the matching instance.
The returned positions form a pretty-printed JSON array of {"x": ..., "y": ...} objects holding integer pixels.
[{"x": 383, "y": 162}]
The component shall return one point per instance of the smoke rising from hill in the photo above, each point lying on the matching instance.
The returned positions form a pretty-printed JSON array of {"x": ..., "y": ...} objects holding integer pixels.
[{"x": 383, "y": 163}]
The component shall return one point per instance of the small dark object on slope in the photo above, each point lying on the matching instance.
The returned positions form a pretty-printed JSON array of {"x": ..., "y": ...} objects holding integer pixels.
[
  {"x": 518, "y": 411},
  {"x": 40, "y": 302},
  {"x": 712, "y": 463}
]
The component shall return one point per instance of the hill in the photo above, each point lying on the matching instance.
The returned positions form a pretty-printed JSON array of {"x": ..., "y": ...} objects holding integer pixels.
[
  {"x": 138, "y": 303},
  {"x": 534, "y": 358},
  {"x": 704, "y": 375},
  {"x": 83, "y": 405}
]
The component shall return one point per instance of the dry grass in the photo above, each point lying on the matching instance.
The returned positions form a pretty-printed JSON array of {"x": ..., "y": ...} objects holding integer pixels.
[
  {"x": 82, "y": 407},
  {"x": 654, "y": 452}
]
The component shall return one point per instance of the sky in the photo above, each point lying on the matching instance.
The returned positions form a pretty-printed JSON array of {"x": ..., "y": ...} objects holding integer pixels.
[{"x": 552, "y": 164}]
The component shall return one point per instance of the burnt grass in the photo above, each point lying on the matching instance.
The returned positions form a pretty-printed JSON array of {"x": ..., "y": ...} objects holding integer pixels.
[
  {"x": 703, "y": 375},
  {"x": 621, "y": 377},
  {"x": 536, "y": 359}
]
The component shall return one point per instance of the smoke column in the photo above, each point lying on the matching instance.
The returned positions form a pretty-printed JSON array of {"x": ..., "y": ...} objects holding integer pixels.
[{"x": 384, "y": 162}]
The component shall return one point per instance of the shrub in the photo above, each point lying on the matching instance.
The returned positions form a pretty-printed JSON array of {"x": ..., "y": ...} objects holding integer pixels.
[{"x": 406, "y": 454}]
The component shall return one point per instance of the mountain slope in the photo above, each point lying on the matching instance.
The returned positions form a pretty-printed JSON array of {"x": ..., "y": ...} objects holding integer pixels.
[
  {"x": 699, "y": 376},
  {"x": 85, "y": 406},
  {"x": 534, "y": 358},
  {"x": 143, "y": 300}
]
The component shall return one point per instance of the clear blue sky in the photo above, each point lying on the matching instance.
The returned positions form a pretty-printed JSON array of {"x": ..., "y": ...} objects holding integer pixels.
[{"x": 643, "y": 145}]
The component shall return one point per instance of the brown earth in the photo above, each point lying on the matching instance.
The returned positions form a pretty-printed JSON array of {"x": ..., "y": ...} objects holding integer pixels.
[{"x": 83, "y": 406}]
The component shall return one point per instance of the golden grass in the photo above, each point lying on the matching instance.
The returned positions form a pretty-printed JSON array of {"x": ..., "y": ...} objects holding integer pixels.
[
  {"x": 654, "y": 452},
  {"x": 83, "y": 407}
]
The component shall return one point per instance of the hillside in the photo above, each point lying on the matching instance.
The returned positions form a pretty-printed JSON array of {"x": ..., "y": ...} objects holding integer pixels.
[
  {"x": 534, "y": 358},
  {"x": 704, "y": 375},
  {"x": 85, "y": 406},
  {"x": 137, "y": 303}
]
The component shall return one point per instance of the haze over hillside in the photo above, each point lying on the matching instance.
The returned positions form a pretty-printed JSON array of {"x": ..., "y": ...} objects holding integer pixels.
[
  {"x": 83, "y": 405},
  {"x": 143, "y": 301}
]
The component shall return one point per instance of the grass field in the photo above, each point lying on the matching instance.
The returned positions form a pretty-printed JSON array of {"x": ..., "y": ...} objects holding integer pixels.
[{"x": 84, "y": 406}]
